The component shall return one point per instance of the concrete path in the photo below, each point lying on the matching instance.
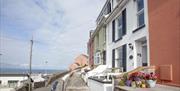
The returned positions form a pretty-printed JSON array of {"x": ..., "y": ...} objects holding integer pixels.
[
  {"x": 43, "y": 89},
  {"x": 7, "y": 89},
  {"x": 76, "y": 83},
  {"x": 73, "y": 83}
]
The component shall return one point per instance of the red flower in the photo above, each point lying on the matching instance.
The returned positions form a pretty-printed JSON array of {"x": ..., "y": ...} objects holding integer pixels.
[{"x": 151, "y": 76}]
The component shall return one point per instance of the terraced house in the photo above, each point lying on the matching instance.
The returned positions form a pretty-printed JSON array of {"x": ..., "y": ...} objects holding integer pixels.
[
  {"x": 140, "y": 33},
  {"x": 97, "y": 45}
]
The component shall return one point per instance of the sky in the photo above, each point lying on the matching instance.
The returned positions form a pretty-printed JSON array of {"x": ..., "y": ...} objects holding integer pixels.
[{"x": 60, "y": 30}]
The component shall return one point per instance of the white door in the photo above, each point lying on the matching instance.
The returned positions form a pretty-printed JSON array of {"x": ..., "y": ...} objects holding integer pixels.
[
  {"x": 144, "y": 55},
  {"x": 141, "y": 53}
]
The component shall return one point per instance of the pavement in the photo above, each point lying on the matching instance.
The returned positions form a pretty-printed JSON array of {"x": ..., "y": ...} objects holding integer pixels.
[
  {"x": 76, "y": 83},
  {"x": 73, "y": 83}
]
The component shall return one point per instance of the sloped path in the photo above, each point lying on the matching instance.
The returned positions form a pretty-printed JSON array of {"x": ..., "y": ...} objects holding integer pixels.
[
  {"x": 43, "y": 89},
  {"x": 76, "y": 83}
]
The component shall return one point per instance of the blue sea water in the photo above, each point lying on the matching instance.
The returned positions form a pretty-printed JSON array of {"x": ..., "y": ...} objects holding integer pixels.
[{"x": 24, "y": 71}]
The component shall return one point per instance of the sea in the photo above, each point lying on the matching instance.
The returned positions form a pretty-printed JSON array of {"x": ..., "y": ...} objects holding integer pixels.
[{"x": 25, "y": 71}]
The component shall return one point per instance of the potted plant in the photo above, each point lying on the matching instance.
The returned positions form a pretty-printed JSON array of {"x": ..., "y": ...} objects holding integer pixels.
[
  {"x": 143, "y": 85},
  {"x": 127, "y": 80},
  {"x": 151, "y": 80},
  {"x": 123, "y": 80},
  {"x": 113, "y": 70},
  {"x": 128, "y": 83},
  {"x": 135, "y": 79},
  {"x": 139, "y": 79}
]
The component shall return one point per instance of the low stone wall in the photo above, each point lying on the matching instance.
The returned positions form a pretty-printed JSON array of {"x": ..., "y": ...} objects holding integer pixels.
[
  {"x": 23, "y": 88},
  {"x": 56, "y": 76},
  {"x": 39, "y": 84}
]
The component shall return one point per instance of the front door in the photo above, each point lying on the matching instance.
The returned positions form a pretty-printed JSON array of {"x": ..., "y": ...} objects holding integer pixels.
[
  {"x": 144, "y": 55},
  {"x": 141, "y": 50}
]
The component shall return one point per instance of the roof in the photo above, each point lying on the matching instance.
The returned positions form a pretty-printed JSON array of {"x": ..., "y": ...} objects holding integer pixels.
[
  {"x": 102, "y": 10},
  {"x": 80, "y": 61}
]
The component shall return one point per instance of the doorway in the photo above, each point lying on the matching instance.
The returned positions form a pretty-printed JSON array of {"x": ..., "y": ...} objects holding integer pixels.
[
  {"x": 141, "y": 49},
  {"x": 144, "y": 55}
]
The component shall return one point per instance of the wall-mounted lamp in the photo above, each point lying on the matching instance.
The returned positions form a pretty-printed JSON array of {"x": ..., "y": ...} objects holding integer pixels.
[
  {"x": 139, "y": 54},
  {"x": 130, "y": 46}
]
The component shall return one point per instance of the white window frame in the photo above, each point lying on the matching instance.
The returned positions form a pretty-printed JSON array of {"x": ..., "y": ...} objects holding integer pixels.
[
  {"x": 13, "y": 83},
  {"x": 118, "y": 27},
  {"x": 118, "y": 58},
  {"x": 139, "y": 12},
  {"x": 97, "y": 58}
]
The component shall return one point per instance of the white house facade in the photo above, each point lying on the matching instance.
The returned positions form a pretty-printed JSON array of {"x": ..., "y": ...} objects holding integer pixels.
[
  {"x": 12, "y": 80},
  {"x": 127, "y": 38},
  {"x": 143, "y": 33}
]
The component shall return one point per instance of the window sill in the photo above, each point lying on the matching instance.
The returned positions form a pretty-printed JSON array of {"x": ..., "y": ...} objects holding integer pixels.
[
  {"x": 137, "y": 29},
  {"x": 118, "y": 39}
]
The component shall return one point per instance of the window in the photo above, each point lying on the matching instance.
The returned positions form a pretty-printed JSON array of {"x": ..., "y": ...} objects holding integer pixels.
[
  {"x": 121, "y": 26},
  {"x": 112, "y": 1},
  {"x": 13, "y": 83},
  {"x": 140, "y": 12},
  {"x": 97, "y": 58},
  {"x": 113, "y": 30},
  {"x": 124, "y": 21},
  {"x": 108, "y": 7},
  {"x": 104, "y": 57},
  {"x": 120, "y": 57}
]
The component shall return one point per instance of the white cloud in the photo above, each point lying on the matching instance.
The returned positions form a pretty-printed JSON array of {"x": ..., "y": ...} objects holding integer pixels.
[
  {"x": 61, "y": 29},
  {"x": 14, "y": 50}
]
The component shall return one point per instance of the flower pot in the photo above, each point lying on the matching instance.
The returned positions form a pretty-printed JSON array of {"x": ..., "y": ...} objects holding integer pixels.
[
  {"x": 128, "y": 82},
  {"x": 151, "y": 83},
  {"x": 143, "y": 85},
  {"x": 138, "y": 83},
  {"x": 121, "y": 83},
  {"x": 133, "y": 84}
]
